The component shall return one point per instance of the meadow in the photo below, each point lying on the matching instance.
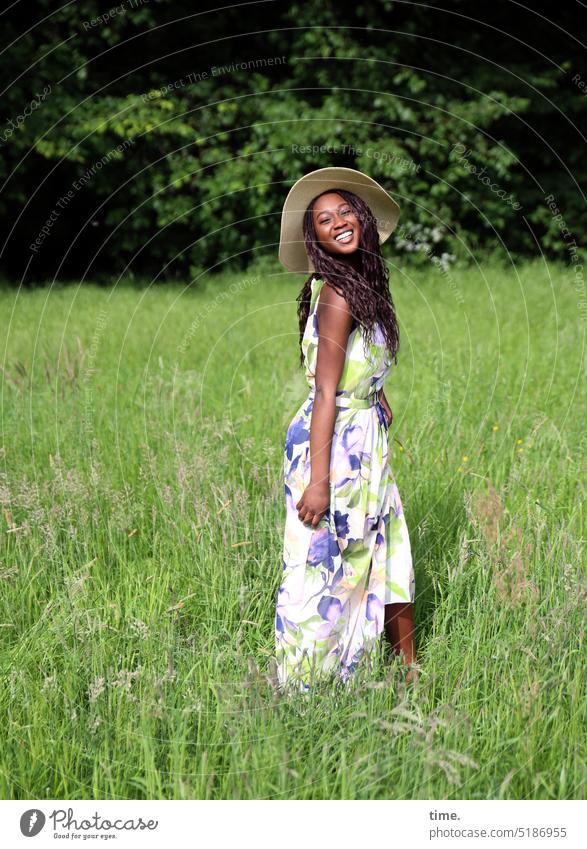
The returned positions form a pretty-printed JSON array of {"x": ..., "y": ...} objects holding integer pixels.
[{"x": 141, "y": 524}]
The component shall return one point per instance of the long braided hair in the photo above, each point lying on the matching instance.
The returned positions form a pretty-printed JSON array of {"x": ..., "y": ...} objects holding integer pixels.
[{"x": 367, "y": 293}]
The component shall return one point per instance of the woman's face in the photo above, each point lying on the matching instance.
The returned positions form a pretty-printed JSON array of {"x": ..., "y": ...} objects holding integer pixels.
[{"x": 337, "y": 227}]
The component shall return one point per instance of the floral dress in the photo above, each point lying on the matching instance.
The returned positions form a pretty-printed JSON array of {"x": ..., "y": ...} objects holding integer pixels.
[{"x": 338, "y": 576}]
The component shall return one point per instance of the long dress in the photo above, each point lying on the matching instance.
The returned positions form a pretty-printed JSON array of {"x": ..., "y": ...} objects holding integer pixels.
[{"x": 338, "y": 576}]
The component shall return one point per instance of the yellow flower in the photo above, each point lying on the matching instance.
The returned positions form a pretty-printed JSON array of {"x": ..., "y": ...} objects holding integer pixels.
[
  {"x": 520, "y": 450},
  {"x": 465, "y": 458},
  {"x": 519, "y": 441},
  {"x": 494, "y": 428},
  {"x": 401, "y": 448}
]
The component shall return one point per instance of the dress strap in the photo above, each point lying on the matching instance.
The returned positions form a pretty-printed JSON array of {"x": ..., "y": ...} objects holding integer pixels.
[{"x": 315, "y": 285}]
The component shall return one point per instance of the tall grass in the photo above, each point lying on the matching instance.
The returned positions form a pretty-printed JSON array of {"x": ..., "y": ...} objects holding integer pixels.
[{"x": 141, "y": 545}]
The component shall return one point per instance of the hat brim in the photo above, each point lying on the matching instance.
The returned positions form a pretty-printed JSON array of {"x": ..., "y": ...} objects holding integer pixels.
[{"x": 292, "y": 247}]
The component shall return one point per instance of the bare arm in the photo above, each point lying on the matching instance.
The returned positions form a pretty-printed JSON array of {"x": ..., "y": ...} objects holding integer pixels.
[{"x": 334, "y": 325}]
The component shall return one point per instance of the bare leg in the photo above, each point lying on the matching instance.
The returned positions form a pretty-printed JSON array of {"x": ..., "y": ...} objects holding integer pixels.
[{"x": 399, "y": 628}]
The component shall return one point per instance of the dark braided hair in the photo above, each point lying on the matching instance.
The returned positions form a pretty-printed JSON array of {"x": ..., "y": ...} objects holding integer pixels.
[{"x": 367, "y": 293}]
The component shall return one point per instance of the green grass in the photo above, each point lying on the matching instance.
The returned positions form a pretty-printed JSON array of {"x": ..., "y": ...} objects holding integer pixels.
[{"x": 141, "y": 545}]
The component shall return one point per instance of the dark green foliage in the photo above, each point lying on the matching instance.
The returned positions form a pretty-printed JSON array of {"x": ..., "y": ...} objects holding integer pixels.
[{"x": 147, "y": 151}]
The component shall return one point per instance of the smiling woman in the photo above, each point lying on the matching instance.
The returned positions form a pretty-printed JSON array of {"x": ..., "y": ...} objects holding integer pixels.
[
  {"x": 347, "y": 565},
  {"x": 336, "y": 223}
]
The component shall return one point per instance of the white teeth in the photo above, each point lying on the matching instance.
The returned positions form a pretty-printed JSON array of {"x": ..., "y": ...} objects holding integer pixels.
[{"x": 344, "y": 235}]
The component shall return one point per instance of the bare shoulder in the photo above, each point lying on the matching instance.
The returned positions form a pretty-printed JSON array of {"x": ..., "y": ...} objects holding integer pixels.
[{"x": 333, "y": 310}]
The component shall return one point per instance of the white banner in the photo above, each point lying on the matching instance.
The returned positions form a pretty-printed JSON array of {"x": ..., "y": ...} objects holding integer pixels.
[{"x": 276, "y": 824}]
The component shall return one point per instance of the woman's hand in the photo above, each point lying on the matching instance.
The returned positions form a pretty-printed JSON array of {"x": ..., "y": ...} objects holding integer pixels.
[{"x": 314, "y": 503}]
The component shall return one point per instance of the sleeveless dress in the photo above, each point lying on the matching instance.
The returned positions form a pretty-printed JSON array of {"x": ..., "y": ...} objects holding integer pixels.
[{"x": 338, "y": 576}]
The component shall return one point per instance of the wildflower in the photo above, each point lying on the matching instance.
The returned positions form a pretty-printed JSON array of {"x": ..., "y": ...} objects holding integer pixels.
[
  {"x": 494, "y": 428},
  {"x": 94, "y": 723},
  {"x": 519, "y": 441},
  {"x": 139, "y": 628},
  {"x": 124, "y": 678},
  {"x": 465, "y": 458},
  {"x": 96, "y": 688}
]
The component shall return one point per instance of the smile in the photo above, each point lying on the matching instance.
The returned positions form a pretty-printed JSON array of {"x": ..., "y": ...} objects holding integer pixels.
[{"x": 345, "y": 237}]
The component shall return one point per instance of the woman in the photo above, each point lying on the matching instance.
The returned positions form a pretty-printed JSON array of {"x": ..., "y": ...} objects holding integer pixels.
[{"x": 347, "y": 565}]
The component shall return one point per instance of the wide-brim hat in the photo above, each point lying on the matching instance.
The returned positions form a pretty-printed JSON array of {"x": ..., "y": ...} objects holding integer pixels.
[{"x": 292, "y": 248}]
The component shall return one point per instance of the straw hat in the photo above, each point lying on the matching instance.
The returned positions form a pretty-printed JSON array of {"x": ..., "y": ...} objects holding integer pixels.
[{"x": 292, "y": 248}]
